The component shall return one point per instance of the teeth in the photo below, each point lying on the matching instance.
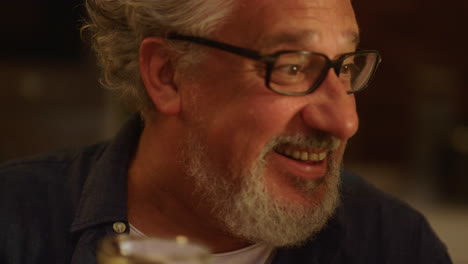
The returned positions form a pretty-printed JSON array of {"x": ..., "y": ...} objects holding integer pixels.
[
  {"x": 296, "y": 154},
  {"x": 322, "y": 155},
  {"x": 314, "y": 157},
  {"x": 302, "y": 155}
]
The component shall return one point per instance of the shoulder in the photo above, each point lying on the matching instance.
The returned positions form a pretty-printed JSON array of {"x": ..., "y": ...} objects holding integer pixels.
[
  {"x": 361, "y": 197},
  {"x": 35, "y": 188},
  {"x": 31, "y": 173},
  {"x": 38, "y": 200},
  {"x": 386, "y": 225}
]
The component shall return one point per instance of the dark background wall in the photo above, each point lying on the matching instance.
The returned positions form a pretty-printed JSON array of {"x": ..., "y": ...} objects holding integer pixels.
[
  {"x": 415, "y": 115},
  {"x": 49, "y": 95}
]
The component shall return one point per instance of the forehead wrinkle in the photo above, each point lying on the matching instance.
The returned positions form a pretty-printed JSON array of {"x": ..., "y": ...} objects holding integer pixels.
[
  {"x": 317, "y": 14},
  {"x": 300, "y": 38},
  {"x": 296, "y": 24},
  {"x": 306, "y": 38}
]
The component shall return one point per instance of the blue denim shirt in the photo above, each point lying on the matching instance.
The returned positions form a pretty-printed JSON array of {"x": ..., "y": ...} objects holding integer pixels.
[{"x": 54, "y": 208}]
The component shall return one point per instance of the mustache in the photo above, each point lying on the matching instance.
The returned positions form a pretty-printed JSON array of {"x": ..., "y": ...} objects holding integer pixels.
[{"x": 323, "y": 141}]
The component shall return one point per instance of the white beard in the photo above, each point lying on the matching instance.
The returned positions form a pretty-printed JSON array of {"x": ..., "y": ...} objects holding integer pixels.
[{"x": 240, "y": 200}]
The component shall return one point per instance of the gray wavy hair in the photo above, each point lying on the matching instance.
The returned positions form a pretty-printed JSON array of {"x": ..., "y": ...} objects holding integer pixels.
[{"x": 116, "y": 28}]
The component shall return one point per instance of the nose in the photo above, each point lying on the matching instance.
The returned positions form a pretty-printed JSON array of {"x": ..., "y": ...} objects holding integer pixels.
[{"x": 330, "y": 109}]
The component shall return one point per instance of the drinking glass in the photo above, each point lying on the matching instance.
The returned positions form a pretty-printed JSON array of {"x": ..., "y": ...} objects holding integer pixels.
[{"x": 125, "y": 249}]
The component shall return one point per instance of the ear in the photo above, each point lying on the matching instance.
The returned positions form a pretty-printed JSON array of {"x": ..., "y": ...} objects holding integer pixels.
[{"x": 157, "y": 73}]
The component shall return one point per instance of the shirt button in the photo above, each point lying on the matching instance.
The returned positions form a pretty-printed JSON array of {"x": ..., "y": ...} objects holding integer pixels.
[{"x": 119, "y": 227}]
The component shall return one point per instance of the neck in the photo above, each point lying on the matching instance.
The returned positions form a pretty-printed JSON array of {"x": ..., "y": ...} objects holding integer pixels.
[{"x": 161, "y": 201}]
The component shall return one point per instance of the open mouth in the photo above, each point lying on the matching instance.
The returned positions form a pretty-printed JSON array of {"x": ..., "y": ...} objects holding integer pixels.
[{"x": 309, "y": 156}]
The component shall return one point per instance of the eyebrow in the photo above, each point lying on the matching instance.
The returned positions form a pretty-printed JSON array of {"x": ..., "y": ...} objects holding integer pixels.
[{"x": 302, "y": 37}]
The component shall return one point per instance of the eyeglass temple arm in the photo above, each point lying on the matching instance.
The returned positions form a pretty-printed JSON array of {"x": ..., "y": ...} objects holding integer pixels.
[{"x": 219, "y": 45}]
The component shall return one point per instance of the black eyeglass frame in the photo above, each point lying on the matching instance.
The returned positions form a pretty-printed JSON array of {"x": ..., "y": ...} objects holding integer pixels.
[{"x": 270, "y": 60}]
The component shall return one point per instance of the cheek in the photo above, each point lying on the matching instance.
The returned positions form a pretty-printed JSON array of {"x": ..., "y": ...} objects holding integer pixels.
[
  {"x": 237, "y": 114},
  {"x": 250, "y": 129}
]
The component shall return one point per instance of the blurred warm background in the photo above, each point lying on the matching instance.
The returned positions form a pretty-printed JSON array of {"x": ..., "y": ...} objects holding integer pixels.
[{"x": 413, "y": 138}]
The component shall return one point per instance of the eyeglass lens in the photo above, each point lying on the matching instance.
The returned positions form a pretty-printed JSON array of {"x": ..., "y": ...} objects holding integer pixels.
[{"x": 297, "y": 72}]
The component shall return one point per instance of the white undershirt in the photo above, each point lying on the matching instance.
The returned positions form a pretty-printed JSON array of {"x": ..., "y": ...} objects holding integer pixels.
[{"x": 255, "y": 254}]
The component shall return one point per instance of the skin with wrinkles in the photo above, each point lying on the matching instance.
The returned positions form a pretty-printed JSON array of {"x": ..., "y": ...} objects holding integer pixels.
[{"x": 217, "y": 128}]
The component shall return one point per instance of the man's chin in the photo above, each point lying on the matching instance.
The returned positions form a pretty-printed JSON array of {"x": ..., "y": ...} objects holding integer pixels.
[
  {"x": 281, "y": 218},
  {"x": 250, "y": 209},
  {"x": 296, "y": 190}
]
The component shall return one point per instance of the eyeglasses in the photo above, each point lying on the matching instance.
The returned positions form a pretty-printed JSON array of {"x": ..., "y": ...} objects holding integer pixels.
[{"x": 293, "y": 72}]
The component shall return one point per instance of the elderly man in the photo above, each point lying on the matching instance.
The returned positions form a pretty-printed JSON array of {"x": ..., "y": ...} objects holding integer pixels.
[{"x": 244, "y": 111}]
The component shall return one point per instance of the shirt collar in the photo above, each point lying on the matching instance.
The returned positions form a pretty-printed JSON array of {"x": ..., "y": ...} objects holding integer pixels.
[{"x": 104, "y": 195}]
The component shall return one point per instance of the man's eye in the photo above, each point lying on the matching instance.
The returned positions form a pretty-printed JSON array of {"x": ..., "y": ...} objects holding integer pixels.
[
  {"x": 290, "y": 69},
  {"x": 349, "y": 69}
]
